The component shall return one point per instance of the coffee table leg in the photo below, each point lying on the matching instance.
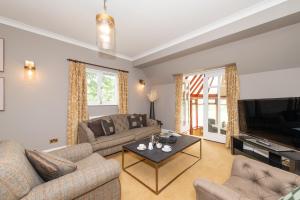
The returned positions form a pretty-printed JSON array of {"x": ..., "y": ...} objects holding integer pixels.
[
  {"x": 156, "y": 178},
  {"x": 123, "y": 159},
  {"x": 200, "y": 142}
]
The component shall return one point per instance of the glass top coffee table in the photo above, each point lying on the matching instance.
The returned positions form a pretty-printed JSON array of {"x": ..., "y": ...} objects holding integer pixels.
[{"x": 157, "y": 158}]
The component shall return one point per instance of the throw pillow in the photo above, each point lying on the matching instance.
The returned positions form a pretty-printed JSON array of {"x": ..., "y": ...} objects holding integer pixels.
[
  {"x": 293, "y": 195},
  {"x": 143, "y": 119},
  {"x": 134, "y": 121},
  {"x": 108, "y": 127},
  {"x": 96, "y": 127},
  {"x": 48, "y": 166}
]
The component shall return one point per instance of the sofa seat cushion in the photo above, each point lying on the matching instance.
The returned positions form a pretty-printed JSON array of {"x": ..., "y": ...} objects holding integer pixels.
[
  {"x": 112, "y": 140},
  {"x": 252, "y": 189},
  {"x": 89, "y": 161},
  {"x": 141, "y": 133}
]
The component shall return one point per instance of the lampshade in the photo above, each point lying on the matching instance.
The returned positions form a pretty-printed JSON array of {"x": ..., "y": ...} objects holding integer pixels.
[
  {"x": 152, "y": 96},
  {"x": 105, "y": 30},
  {"x": 29, "y": 70}
]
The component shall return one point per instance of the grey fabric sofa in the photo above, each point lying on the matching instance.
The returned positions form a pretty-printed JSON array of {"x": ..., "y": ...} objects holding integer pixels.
[
  {"x": 95, "y": 177},
  {"x": 106, "y": 145},
  {"x": 249, "y": 180}
]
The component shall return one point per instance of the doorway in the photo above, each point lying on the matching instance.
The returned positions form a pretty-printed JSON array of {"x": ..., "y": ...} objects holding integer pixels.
[{"x": 208, "y": 105}]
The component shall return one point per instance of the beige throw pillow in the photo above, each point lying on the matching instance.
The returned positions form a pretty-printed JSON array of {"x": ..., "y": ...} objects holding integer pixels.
[{"x": 49, "y": 166}]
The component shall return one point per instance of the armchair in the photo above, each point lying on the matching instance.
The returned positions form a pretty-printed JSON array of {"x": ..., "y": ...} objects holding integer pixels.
[
  {"x": 95, "y": 178},
  {"x": 250, "y": 180}
]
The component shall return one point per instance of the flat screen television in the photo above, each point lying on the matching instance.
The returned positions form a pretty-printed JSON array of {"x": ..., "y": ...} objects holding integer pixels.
[{"x": 277, "y": 120}]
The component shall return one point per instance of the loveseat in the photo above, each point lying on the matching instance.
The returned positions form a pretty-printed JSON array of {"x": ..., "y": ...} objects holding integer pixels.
[
  {"x": 95, "y": 177},
  {"x": 106, "y": 145},
  {"x": 249, "y": 180}
]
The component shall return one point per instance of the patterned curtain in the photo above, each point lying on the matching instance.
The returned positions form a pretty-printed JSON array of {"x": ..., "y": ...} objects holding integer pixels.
[
  {"x": 179, "y": 82},
  {"x": 123, "y": 92},
  {"x": 77, "y": 101},
  {"x": 233, "y": 95}
]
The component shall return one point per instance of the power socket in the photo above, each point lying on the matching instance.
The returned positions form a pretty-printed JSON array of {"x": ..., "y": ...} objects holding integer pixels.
[{"x": 53, "y": 140}]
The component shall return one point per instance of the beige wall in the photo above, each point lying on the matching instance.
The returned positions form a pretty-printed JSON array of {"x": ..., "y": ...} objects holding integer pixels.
[{"x": 36, "y": 111}]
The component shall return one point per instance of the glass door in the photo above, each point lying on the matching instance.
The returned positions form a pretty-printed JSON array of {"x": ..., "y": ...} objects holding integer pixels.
[{"x": 215, "y": 106}]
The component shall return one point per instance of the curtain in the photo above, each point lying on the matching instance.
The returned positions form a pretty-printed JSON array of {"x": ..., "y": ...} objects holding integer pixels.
[
  {"x": 77, "y": 101},
  {"x": 123, "y": 92},
  {"x": 178, "y": 106},
  {"x": 185, "y": 113},
  {"x": 233, "y": 95}
]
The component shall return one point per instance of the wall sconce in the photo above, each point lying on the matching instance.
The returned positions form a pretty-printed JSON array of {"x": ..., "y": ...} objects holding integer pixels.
[
  {"x": 142, "y": 82},
  {"x": 141, "y": 85},
  {"x": 29, "y": 70}
]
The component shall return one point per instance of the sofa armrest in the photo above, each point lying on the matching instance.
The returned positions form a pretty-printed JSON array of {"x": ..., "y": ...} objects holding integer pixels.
[
  {"x": 207, "y": 190},
  {"x": 85, "y": 134},
  {"x": 75, "y": 184},
  {"x": 152, "y": 122},
  {"x": 74, "y": 153}
]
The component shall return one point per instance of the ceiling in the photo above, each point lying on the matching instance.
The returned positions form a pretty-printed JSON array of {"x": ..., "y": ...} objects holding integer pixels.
[{"x": 144, "y": 27}]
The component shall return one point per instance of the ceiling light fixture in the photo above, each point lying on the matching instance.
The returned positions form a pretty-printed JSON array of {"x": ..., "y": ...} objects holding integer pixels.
[{"x": 105, "y": 30}]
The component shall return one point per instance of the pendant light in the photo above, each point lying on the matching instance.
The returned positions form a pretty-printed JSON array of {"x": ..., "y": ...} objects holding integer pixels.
[{"x": 105, "y": 30}]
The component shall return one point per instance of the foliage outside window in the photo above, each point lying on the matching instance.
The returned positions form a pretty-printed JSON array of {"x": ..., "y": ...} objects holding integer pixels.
[{"x": 101, "y": 87}]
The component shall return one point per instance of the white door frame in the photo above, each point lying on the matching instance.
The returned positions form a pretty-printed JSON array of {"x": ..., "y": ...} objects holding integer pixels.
[{"x": 218, "y": 137}]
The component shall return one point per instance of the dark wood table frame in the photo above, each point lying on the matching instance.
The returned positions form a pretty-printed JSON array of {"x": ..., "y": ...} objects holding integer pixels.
[{"x": 156, "y": 166}]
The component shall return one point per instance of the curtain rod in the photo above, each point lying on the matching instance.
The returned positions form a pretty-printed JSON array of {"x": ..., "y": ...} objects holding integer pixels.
[
  {"x": 207, "y": 69},
  {"x": 78, "y": 61}
]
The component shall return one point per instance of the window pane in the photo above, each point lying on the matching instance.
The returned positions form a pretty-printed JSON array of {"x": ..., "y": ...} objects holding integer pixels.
[
  {"x": 213, "y": 81},
  {"x": 108, "y": 89},
  {"x": 101, "y": 87},
  {"x": 92, "y": 88},
  {"x": 213, "y": 90}
]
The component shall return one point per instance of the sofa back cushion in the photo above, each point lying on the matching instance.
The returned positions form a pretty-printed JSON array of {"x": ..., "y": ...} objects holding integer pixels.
[
  {"x": 143, "y": 119},
  {"x": 108, "y": 126},
  {"x": 134, "y": 121},
  {"x": 120, "y": 122},
  {"x": 17, "y": 176},
  {"x": 95, "y": 126},
  {"x": 266, "y": 176}
]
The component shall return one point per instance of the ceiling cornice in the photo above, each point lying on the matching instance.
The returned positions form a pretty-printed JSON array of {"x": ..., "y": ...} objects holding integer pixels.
[
  {"x": 266, "y": 4},
  {"x": 244, "y": 13},
  {"x": 43, "y": 32}
]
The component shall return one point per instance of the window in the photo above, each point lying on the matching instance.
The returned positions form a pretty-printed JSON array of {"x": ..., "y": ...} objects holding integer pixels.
[{"x": 101, "y": 87}]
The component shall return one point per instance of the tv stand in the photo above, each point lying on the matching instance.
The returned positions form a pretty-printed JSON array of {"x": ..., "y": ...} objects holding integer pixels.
[
  {"x": 262, "y": 141},
  {"x": 267, "y": 152}
]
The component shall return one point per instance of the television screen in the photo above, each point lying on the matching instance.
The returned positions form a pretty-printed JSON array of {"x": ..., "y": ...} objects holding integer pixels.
[{"x": 277, "y": 120}]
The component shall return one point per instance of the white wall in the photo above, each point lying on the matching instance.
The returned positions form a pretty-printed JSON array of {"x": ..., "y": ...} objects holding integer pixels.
[
  {"x": 36, "y": 111},
  {"x": 277, "y": 49},
  {"x": 272, "y": 84},
  {"x": 256, "y": 57},
  {"x": 165, "y": 105}
]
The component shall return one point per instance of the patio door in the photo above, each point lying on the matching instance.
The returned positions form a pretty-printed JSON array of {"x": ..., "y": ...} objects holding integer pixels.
[{"x": 215, "y": 106}]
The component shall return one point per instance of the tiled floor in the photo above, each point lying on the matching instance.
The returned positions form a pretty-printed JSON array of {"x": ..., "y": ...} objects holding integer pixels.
[{"x": 215, "y": 165}]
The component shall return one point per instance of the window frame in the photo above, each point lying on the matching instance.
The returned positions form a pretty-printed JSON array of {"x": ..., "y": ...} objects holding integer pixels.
[{"x": 100, "y": 74}]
